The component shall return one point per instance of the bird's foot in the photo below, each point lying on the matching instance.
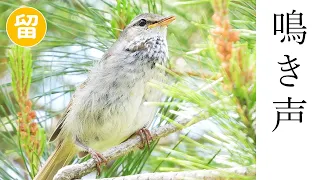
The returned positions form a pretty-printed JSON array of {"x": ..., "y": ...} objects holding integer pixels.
[
  {"x": 146, "y": 137},
  {"x": 98, "y": 158}
]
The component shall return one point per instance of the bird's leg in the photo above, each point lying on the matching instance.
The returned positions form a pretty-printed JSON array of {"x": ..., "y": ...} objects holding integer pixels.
[
  {"x": 145, "y": 136},
  {"x": 98, "y": 157}
]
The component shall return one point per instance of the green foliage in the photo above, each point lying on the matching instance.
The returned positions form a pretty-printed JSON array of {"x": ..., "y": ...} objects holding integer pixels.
[
  {"x": 31, "y": 139},
  {"x": 20, "y": 61},
  {"x": 79, "y": 30}
]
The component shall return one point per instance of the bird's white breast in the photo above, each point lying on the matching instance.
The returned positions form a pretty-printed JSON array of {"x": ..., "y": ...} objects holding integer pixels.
[
  {"x": 100, "y": 126},
  {"x": 122, "y": 123}
]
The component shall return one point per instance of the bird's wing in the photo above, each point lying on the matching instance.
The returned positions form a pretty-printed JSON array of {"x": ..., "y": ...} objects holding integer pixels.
[{"x": 57, "y": 131}]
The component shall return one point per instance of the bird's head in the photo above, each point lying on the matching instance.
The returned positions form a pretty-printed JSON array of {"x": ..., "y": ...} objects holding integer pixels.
[
  {"x": 146, "y": 26},
  {"x": 144, "y": 38}
]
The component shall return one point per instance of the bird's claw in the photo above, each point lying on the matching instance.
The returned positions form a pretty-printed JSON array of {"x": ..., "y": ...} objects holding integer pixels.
[
  {"x": 98, "y": 158},
  {"x": 145, "y": 136}
]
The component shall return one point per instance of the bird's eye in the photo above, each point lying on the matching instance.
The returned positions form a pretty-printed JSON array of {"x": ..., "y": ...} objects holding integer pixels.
[{"x": 142, "y": 22}]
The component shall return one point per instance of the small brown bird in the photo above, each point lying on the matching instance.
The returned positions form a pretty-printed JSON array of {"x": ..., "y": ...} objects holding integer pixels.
[{"x": 109, "y": 106}]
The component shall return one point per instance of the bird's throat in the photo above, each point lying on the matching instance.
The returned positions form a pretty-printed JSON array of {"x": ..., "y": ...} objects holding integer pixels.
[{"x": 150, "y": 50}]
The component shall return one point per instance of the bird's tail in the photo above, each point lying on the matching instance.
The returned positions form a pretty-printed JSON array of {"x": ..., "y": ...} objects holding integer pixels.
[{"x": 61, "y": 156}]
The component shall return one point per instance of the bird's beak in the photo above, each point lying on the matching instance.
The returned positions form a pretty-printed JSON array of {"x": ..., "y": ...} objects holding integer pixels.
[{"x": 164, "y": 22}]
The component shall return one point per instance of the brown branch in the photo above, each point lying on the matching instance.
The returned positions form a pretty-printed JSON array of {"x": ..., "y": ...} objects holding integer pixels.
[
  {"x": 217, "y": 174},
  {"x": 79, "y": 170}
]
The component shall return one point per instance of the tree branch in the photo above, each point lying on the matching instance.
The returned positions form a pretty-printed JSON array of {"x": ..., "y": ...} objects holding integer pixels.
[
  {"x": 218, "y": 174},
  {"x": 79, "y": 170}
]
